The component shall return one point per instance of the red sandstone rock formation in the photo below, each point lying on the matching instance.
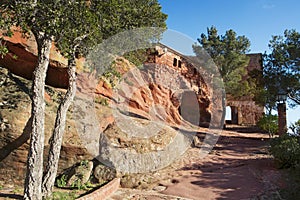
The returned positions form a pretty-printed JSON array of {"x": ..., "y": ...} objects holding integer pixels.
[{"x": 22, "y": 58}]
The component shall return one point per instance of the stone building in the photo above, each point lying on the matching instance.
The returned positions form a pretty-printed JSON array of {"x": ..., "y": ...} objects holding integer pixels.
[
  {"x": 244, "y": 110},
  {"x": 199, "y": 86}
]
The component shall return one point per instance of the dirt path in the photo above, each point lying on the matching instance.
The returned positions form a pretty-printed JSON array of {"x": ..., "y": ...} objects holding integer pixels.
[{"x": 237, "y": 168}]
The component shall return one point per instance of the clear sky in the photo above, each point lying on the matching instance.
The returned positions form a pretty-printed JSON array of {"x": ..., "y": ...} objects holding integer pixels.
[{"x": 258, "y": 20}]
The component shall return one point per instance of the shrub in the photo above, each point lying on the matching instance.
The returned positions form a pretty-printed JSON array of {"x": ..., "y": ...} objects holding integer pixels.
[
  {"x": 286, "y": 150},
  {"x": 269, "y": 124},
  {"x": 62, "y": 181}
]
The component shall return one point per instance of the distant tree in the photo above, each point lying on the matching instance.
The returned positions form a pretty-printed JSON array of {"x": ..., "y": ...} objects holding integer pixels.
[
  {"x": 75, "y": 26},
  {"x": 282, "y": 68},
  {"x": 229, "y": 54}
]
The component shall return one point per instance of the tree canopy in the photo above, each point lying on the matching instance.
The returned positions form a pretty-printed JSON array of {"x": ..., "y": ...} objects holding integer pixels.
[
  {"x": 229, "y": 54},
  {"x": 282, "y": 68},
  {"x": 64, "y": 20}
]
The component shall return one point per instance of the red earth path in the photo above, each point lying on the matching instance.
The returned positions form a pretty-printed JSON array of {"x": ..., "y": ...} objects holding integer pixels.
[{"x": 239, "y": 167}]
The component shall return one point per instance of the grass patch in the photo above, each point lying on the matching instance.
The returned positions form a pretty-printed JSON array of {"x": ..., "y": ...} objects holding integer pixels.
[{"x": 61, "y": 195}]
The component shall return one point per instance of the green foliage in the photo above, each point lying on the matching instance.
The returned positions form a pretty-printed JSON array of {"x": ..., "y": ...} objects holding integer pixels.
[
  {"x": 78, "y": 184},
  {"x": 137, "y": 57},
  {"x": 3, "y": 50},
  {"x": 229, "y": 54},
  {"x": 269, "y": 123},
  {"x": 282, "y": 68},
  {"x": 295, "y": 127},
  {"x": 84, "y": 163},
  {"x": 112, "y": 76},
  {"x": 286, "y": 150},
  {"x": 15, "y": 57},
  {"x": 63, "y": 196},
  {"x": 62, "y": 181},
  {"x": 17, "y": 190},
  {"x": 33, "y": 15},
  {"x": 79, "y": 25},
  {"x": 5, "y": 26},
  {"x": 120, "y": 15}
]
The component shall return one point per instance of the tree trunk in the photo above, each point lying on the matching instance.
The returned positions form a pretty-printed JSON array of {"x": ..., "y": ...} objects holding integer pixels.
[
  {"x": 58, "y": 132},
  {"x": 33, "y": 181}
]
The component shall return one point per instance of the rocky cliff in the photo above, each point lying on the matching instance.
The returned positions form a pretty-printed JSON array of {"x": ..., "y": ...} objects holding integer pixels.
[{"x": 140, "y": 97}]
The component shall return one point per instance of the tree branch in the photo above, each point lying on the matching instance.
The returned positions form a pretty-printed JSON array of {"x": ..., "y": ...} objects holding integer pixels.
[{"x": 296, "y": 100}]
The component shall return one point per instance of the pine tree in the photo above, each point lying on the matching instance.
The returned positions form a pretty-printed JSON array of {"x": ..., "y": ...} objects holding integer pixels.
[
  {"x": 229, "y": 54},
  {"x": 282, "y": 68}
]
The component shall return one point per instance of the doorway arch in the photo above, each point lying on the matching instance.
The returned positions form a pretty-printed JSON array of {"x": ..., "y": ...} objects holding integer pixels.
[{"x": 231, "y": 115}]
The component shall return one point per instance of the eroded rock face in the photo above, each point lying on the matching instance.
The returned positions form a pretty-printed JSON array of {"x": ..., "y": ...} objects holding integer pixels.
[
  {"x": 153, "y": 92},
  {"x": 144, "y": 106},
  {"x": 15, "y": 111},
  {"x": 22, "y": 58},
  {"x": 158, "y": 93}
]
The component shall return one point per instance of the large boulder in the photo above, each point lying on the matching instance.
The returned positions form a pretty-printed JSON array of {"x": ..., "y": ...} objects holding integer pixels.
[{"x": 78, "y": 175}]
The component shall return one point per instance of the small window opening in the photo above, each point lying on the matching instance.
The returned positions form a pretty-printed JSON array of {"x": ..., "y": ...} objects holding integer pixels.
[
  {"x": 195, "y": 71},
  {"x": 179, "y": 63},
  {"x": 175, "y": 62}
]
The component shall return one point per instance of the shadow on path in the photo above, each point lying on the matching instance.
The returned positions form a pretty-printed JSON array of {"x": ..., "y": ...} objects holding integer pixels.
[{"x": 236, "y": 169}]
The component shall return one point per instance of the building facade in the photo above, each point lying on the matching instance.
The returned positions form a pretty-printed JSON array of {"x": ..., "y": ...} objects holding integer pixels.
[{"x": 244, "y": 110}]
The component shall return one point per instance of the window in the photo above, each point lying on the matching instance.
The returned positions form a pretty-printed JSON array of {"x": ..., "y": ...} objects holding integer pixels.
[
  {"x": 179, "y": 63},
  {"x": 195, "y": 71},
  {"x": 175, "y": 62}
]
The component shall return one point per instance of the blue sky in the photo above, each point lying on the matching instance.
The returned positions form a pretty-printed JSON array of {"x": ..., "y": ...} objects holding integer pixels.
[{"x": 258, "y": 20}]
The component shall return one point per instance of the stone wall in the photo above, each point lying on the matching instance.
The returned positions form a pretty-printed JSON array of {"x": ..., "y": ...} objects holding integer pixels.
[{"x": 245, "y": 112}]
